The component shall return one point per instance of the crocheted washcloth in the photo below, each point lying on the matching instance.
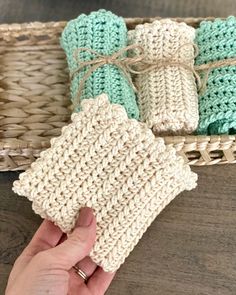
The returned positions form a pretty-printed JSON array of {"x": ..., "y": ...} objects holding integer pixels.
[
  {"x": 113, "y": 164},
  {"x": 217, "y": 105},
  {"x": 167, "y": 97},
  {"x": 105, "y": 33}
]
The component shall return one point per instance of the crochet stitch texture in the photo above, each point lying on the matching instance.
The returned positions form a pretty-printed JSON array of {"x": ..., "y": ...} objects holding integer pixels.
[
  {"x": 113, "y": 164},
  {"x": 217, "y": 105},
  {"x": 167, "y": 97},
  {"x": 105, "y": 33}
]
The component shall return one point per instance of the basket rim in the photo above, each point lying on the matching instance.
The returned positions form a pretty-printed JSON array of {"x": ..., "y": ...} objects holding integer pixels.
[{"x": 188, "y": 139}]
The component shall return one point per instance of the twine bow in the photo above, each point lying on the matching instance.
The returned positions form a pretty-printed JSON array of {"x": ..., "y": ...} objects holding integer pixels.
[
  {"x": 118, "y": 59},
  {"x": 146, "y": 65}
]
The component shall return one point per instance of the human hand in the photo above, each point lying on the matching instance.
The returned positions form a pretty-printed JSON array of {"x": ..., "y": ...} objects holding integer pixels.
[{"x": 46, "y": 264}]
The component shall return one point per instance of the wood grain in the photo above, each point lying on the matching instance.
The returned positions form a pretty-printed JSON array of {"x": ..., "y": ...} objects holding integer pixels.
[{"x": 191, "y": 246}]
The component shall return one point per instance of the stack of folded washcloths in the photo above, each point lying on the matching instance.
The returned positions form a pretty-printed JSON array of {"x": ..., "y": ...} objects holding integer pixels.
[
  {"x": 217, "y": 103},
  {"x": 104, "y": 159},
  {"x": 167, "y": 93}
]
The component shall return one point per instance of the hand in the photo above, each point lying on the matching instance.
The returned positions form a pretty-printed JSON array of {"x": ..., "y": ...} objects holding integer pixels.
[{"x": 45, "y": 266}]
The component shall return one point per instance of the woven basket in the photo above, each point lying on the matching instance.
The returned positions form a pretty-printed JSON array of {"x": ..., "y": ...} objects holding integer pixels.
[{"x": 34, "y": 98}]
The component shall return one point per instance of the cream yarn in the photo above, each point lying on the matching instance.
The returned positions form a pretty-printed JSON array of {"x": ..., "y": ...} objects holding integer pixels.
[
  {"x": 167, "y": 96},
  {"x": 114, "y": 165}
]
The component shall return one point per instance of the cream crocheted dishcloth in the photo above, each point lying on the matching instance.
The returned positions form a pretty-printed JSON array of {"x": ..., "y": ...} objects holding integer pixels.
[
  {"x": 113, "y": 164},
  {"x": 167, "y": 96}
]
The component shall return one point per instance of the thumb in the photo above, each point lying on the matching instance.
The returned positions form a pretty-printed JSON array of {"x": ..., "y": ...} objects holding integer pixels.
[{"x": 79, "y": 242}]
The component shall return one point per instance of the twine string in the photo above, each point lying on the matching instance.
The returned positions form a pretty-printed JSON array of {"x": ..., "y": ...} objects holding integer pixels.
[
  {"x": 146, "y": 65},
  {"x": 208, "y": 67},
  {"x": 117, "y": 59},
  {"x": 139, "y": 64}
]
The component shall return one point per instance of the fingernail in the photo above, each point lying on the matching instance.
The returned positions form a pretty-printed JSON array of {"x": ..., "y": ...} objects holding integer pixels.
[{"x": 85, "y": 217}]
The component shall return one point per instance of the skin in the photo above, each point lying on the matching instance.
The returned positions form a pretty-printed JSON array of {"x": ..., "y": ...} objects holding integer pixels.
[{"x": 45, "y": 265}]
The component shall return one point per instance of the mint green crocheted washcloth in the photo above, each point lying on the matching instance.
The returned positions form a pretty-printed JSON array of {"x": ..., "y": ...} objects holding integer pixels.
[
  {"x": 105, "y": 33},
  {"x": 217, "y": 106}
]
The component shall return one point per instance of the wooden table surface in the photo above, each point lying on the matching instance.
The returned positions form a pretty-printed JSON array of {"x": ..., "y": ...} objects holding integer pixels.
[{"x": 191, "y": 246}]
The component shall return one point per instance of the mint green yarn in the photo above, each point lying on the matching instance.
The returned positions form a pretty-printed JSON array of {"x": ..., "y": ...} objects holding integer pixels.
[
  {"x": 105, "y": 33},
  {"x": 217, "y": 105}
]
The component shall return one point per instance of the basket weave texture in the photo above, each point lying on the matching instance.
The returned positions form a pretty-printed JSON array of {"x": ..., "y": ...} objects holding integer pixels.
[{"x": 35, "y": 103}]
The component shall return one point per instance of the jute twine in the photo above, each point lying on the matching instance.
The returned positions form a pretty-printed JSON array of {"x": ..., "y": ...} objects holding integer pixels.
[
  {"x": 117, "y": 59},
  {"x": 139, "y": 64},
  {"x": 208, "y": 67}
]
